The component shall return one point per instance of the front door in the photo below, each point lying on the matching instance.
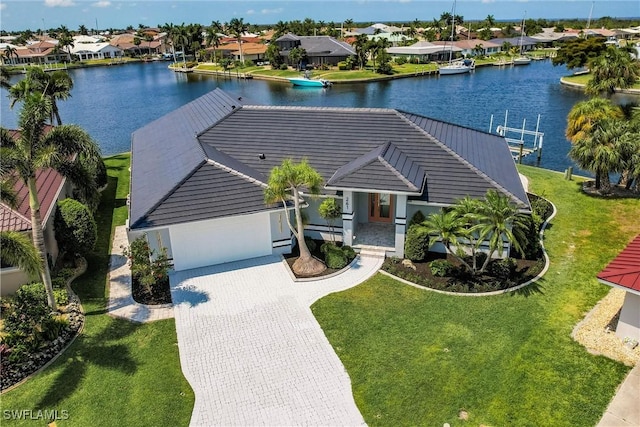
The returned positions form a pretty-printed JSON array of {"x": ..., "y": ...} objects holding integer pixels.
[{"x": 380, "y": 207}]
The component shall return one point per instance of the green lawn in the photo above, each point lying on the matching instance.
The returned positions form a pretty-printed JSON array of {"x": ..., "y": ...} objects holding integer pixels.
[
  {"x": 116, "y": 372},
  {"x": 418, "y": 358},
  {"x": 583, "y": 79}
]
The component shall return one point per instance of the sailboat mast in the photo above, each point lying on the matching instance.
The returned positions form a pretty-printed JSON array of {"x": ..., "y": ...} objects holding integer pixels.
[
  {"x": 453, "y": 28},
  {"x": 522, "y": 31}
]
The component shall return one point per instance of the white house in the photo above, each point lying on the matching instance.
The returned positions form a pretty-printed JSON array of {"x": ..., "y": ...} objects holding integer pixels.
[
  {"x": 96, "y": 51},
  {"x": 198, "y": 175}
]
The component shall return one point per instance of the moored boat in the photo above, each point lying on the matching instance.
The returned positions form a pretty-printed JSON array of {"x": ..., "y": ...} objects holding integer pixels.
[
  {"x": 458, "y": 67},
  {"x": 306, "y": 82}
]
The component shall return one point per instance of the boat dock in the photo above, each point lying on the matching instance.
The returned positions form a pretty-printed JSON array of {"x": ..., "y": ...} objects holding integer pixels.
[{"x": 522, "y": 142}]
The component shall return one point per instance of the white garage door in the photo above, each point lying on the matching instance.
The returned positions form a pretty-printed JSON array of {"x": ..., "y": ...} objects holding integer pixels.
[{"x": 221, "y": 240}]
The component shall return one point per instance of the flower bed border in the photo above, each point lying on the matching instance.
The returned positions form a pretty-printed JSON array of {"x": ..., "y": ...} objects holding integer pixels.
[{"x": 318, "y": 278}]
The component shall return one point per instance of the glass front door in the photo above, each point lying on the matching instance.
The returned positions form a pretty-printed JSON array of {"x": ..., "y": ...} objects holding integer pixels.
[{"x": 380, "y": 207}]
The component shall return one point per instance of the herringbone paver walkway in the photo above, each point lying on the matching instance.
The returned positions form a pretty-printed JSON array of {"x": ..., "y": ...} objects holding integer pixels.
[{"x": 252, "y": 350}]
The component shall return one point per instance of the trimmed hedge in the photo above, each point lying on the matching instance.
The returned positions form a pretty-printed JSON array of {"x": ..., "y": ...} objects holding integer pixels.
[
  {"x": 76, "y": 230},
  {"x": 416, "y": 244}
]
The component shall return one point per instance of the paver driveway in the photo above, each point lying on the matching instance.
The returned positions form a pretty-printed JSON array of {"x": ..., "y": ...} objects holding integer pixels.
[{"x": 252, "y": 350}]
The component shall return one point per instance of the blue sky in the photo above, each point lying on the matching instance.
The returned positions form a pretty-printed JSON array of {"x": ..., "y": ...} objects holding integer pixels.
[{"x": 33, "y": 14}]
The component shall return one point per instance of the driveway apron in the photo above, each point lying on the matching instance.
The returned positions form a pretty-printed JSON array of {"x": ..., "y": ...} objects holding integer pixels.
[{"x": 252, "y": 350}]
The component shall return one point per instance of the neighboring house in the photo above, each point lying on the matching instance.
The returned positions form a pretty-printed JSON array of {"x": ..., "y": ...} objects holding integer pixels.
[
  {"x": 467, "y": 47},
  {"x": 528, "y": 43},
  {"x": 86, "y": 51},
  {"x": 393, "y": 38},
  {"x": 425, "y": 51},
  {"x": 51, "y": 187},
  {"x": 320, "y": 49},
  {"x": 37, "y": 53},
  {"x": 548, "y": 37},
  {"x": 624, "y": 273},
  {"x": 250, "y": 51},
  {"x": 198, "y": 175}
]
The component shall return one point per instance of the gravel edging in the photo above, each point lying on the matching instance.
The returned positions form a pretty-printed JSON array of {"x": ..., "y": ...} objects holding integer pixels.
[
  {"x": 594, "y": 333},
  {"x": 74, "y": 301}
]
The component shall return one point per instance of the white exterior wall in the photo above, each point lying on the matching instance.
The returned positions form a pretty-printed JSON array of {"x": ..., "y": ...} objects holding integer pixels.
[
  {"x": 348, "y": 217},
  {"x": 216, "y": 241},
  {"x": 317, "y": 227},
  {"x": 401, "y": 224},
  {"x": 11, "y": 278},
  {"x": 281, "y": 235},
  {"x": 629, "y": 322}
]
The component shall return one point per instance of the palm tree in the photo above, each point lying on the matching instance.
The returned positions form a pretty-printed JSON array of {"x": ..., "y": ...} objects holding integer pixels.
[
  {"x": 65, "y": 40},
  {"x": 55, "y": 85},
  {"x": 585, "y": 116},
  {"x": 348, "y": 23},
  {"x": 285, "y": 183},
  {"x": 602, "y": 152},
  {"x": 448, "y": 228},
  {"x": 490, "y": 20},
  {"x": 497, "y": 218},
  {"x": 36, "y": 148},
  {"x": 614, "y": 68},
  {"x": 16, "y": 249},
  {"x": 82, "y": 29},
  {"x": 4, "y": 78},
  {"x": 10, "y": 52},
  {"x": 237, "y": 26},
  {"x": 212, "y": 38}
]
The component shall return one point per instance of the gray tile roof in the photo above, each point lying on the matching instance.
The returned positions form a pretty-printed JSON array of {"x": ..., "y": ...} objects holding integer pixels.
[
  {"x": 325, "y": 46},
  {"x": 404, "y": 147},
  {"x": 166, "y": 150},
  {"x": 386, "y": 165}
]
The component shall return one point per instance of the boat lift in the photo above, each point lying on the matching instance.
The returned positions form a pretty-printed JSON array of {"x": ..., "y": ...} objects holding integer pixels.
[{"x": 515, "y": 137}]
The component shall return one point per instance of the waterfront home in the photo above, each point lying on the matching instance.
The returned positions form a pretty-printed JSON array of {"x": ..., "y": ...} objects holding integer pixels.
[
  {"x": 524, "y": 44},
  {"x": 425, "y": 52},
  {"x": 198, "y": 175},
  {"x": 320, "y": 49},
  {"x": 250, "y": 51},
  {"x": 41, "y": 52},
  {"x": 468, "y": 47},
  {"x": 102, "y": 50}
]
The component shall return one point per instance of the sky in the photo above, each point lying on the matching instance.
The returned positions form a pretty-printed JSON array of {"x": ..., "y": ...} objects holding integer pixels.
[{"x": 17, "y": 15}]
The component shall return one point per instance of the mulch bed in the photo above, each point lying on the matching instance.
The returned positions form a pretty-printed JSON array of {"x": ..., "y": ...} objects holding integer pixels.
[
  {"x": 617, "y": 191},
  {"x": 295, "y": 253},
  {"x": 161, "y": 293},
  {"x": 422, "y": 275}
]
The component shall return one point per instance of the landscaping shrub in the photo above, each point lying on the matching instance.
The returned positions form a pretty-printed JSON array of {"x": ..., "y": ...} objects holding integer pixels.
[
  {"x": 61, "y": 296},
  {"x": 417, "y": 219},
  {"x": 417, "y": 243},
  {"x": 143, "y": 270},
  {"x": 441, "y": 268},
  {"x": 342, "y": 66},
  {"x": 27, "y": 312},
  {"x": 284, "y": 67},
  {"x": 337, "y": 257},
  {"x": 503, "y": 269},
  {"x": 400, "y": 60},
  {"x": 76, "y": 230},
  {"x": 52, "y": 327}
]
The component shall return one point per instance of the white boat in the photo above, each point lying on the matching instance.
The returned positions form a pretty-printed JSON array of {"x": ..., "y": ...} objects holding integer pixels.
[
  {"x": 521, "y": 60},
  {"x": 306, "y": 82},
  {"x": 456, "y": 67}
]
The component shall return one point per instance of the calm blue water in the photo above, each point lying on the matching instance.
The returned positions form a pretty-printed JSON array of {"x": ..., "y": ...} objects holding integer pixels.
[{"x": 111, "y": 102}]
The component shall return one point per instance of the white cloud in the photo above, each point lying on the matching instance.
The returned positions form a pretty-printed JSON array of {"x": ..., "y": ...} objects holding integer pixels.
[
  {"x": 488, "y": 1},
  {"x": 102, "y": 3},
  {"x": 3, "y": 6},
  {"x": 271, "y": 11},
  {"x": 59, "y": 3},
  {"x": 250, "y": 12}
]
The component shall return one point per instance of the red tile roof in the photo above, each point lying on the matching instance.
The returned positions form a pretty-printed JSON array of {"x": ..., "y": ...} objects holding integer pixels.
[
  {"x": 48, "y": 185},
  {"x": 624, "y": 270}
]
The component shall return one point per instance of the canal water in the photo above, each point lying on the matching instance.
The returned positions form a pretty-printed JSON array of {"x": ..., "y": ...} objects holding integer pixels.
[{"x": 112, "y": 102}]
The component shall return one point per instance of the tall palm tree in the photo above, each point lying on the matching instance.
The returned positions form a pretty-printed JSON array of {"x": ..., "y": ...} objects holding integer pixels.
[
  {"x": 237, "y": 27},
  {"x": 613, "y": 68},
  {"x": 490, "y": 20},
  {"x": 285, "y": 183},
  {"x": 585, "y": 116},
  {"x": 65, "y": 40},
  {"x": 37, "y": 147},
  {"x": 16, "y": 249},
  {"x": 212, "y": 37},
  {"x": 56, "y": 86},
  {"x": 497, "y": 219},
  {"x": 602, "y": 152}
]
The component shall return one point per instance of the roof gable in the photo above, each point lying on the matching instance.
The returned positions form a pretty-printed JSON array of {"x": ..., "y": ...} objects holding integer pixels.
[
  {"x": 386, "y": 165},
  {"x": 624, "y": 270},
  {"x": 166, "y": 151}
]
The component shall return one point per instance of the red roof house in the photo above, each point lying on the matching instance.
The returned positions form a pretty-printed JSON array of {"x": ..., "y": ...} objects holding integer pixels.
[{"x": 624, "y": 273}]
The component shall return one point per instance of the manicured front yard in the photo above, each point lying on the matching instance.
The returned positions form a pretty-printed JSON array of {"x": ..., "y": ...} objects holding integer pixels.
[
  {"x": 116, "y": 372},
  {"x": 418, "y": 358}
]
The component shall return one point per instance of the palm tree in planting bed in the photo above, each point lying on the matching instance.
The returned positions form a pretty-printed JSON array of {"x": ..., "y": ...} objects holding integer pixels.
[
  {"x": 613, "y": 68},
  {"x": 285, "y": 183},
  {"x": 36, "y": 147},
  {"x": 464, "y": 227}
]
